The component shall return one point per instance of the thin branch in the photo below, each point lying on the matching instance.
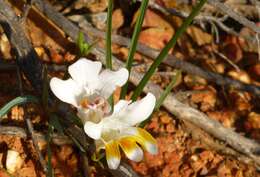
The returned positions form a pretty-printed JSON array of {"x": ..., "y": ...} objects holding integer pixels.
[
  {"x": 224, "y": 57},
  {"x": 20, "y": 132},
  {"x": 84, "y": 160},
  {"x": 8, "y": 66},
  {"x": 35, "y": 144},
  {"x": 27, "y": 59},
  {"x": 124, "y": 170},
  {"x": 238, "y": 17},
  {"x": 26, "y": 9}
]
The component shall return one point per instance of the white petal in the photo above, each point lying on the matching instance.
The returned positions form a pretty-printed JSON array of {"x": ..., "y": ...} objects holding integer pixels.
[
  {"x": 144, "y": 138},
  {"x": 131, "y": 149},
  {"x": 66, "y": 90},
  {"x": 120, "y": 105},
  {"x": 112, "y": 155},
  {"x": 136, "y": 155},
  {"x": 113, "y": 163},
  {"x": 93, "y": 130},
  {"x": 137, "y": 111},
  {"x": 85, "y": 72},
  {"x": 92, "y": 115},
  {"x": 109, "y": 80}
]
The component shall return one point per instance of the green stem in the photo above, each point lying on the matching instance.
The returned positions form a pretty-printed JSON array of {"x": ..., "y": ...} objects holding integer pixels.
[
  {"x": 168, "y": 89},
  {"x": 134, "y": 41},
  {"x": 163, "y": 96},
  {"x": 108, "y": 44},
  {"x": 108, "y": 35},
  {"x": 166, "y": 49},
  {"x": 17, "y": 101}
]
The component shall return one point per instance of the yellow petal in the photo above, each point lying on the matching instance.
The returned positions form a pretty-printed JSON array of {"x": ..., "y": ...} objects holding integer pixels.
[
  {"x": 131, "y": 149},
  {"x": 145, "y": 139},
  {"x": 112, "y": 154}
]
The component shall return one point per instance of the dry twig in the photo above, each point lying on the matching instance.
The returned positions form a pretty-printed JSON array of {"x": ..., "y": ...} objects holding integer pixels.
[
  {"x": 20, "y": 132},
  {"x": 238, "y": 17}
]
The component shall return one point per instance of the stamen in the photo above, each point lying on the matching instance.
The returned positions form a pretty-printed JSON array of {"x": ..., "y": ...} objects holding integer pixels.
[
  {"x": 103, "y": 140},
  {"x": 84, "y": 103}
]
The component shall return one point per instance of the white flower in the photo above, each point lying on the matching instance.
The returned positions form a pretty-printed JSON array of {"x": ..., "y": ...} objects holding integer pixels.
[
  {"x": 118, "y": 130},
  {"x": 88, "y": 87},
  {"x": 88, "y": 90}
]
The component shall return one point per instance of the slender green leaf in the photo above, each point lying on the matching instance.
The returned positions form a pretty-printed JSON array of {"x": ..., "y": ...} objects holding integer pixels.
[
  {"x": 45, "y": 92},
  {"x": 108, "y": 35},
  {"x": 81, "y": 43},
  {"x": 130, "y": 58},
  {"x": 88, "y": 48},
  {"x": 168, "y": 89},
  {"x": 166, "y": 49},
  {"x": 76, "y": 120},
  {"x": 81, "y": 148},
  {"x": 108, "y": 44},
  {"x": 17, "y": 101},
  {"x": 55, "y": 122},
  {"x": 83, "y": 46},
  {"x": 164, "y": 95}
]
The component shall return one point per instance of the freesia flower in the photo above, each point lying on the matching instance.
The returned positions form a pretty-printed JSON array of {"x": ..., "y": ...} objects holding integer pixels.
[
  {"x": 88, "y": 90},
  {"x": 118, "y": 130},
  {"x": 88, "y": 87}
]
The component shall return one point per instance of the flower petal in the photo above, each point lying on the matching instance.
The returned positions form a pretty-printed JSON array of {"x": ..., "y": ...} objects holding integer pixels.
[
  {"x": 137, "y": 111},
  {"x": 120, "y": 105},
  {"x": 92, "y": 115},
  {"x": 85, "y": 71},
  {"x": 109, "y": 80},
  {"x": 112, "y": 155},
  {"x": 66, "y": 90},
  {"x": 143, "y": 138},
  {"x": 131, "y": 149},
  {"x": 93, "y": 130}
]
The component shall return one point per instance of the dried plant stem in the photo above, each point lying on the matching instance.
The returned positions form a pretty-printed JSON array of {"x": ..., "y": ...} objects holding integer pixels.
[
  {"x": 20, "y": 132},
  {"x": 239, "y": 18}
]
